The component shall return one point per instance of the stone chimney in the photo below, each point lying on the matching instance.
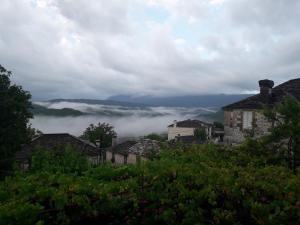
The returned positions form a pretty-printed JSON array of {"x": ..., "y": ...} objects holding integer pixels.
[
  {"x": 175, "y": 123},
  {"x": 266, "y": 87},
  {"x": 114, "y": 141}
]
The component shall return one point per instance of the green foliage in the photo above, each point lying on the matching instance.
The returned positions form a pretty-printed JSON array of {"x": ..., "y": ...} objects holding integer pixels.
[
  {"x": 62, "y": 159},
  {"x": 186, "y": 185},
  {"x": 15, "y": 113},
  {"x": 155, "y": 137},
  {"x": 102, "y": 131},
  {"x": 33, "y": 133},
  {"x": 200, "y": 134},
  {"x": 285, "y": 135},
  {"x": 218, "y": 125}
]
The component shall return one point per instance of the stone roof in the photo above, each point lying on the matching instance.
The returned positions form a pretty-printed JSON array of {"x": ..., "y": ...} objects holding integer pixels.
[
  {"x": 143, "y": 147},
  {"x": 191, "y": 124},
  {"x": 123, "y": 148},
  {"x": 51, "y": 141},
  {"x": 291, "y": 87}
]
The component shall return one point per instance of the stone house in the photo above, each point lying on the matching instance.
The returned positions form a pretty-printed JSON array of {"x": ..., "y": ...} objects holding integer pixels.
[
  {"x": 187, "y": 128},
  {"x": 52, "y": 141},
  {"x": 246, "y": 117},
  {"x": 130, "y": 152},
  {"x": 120, "y": 153},
  {"x": 123, "y": 153}
]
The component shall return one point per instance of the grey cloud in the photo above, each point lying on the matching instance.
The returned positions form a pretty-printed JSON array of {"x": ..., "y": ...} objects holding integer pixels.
[
  {"x": 93, "y": 49},
  {"x": 97, "y": 15},
  {"x": 279, "y": 15}
]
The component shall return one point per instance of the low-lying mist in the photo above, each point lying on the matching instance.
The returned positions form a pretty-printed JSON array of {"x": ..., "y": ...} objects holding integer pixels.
[{"x": 132, "y": 122}]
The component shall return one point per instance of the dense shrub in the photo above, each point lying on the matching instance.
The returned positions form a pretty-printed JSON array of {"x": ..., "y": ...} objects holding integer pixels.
[
  {"x": 60, "y": 159},
  {"x": 194, "y": 185}
]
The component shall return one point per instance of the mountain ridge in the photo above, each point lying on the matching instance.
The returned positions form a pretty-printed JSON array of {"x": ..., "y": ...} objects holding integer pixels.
[
  {"x": 98, "y": 102},
  {"x": 213, "y": 100}
]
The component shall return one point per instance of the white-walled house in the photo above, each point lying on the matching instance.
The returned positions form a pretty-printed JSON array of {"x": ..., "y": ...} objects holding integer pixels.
[{"x": 187, "y": 128}]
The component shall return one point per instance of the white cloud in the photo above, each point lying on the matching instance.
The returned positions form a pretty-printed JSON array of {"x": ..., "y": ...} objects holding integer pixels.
[{"x": 98, "y": 48}]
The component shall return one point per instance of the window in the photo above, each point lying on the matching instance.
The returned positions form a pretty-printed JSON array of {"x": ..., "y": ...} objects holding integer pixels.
[
  {"x": 247, "y": 119},
  {"x": 231, "y": 119}
]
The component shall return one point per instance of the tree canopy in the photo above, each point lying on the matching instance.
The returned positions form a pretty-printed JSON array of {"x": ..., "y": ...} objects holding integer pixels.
[
  {"x": 285, "y": 134},
  {"x": 103, "y": 132},
  {"x": 200, "y": 134},
  {"x": 155, "y": 137},
  {"x": 15, "y": 113}
]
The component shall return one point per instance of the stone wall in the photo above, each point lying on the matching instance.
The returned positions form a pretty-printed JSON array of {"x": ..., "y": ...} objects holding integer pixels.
[
  {"x": 233, "y": 126},
  {"x": 145, "y": 147},
  {"x": 262, "y": 124},
  {"x": 174, "y": 132},
  {"x": 182, "y": 131},
  {"x": 122, "y": 159},
  {"x": 119, "y": 159},
  {"x": 131, "y": 158}
]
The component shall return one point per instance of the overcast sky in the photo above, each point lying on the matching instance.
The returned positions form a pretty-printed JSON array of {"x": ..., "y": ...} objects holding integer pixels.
[{"x": 98, "y": 48}]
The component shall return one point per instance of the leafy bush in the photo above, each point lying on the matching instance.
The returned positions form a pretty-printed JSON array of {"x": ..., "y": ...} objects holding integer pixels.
[
  {"x": 200, "y": 133},
  {"x": 102, "y": 132},
  {"x": 63, "y": 159},
  {"x": 156, "y": 137},
  {"x": 186, "y": 185}
]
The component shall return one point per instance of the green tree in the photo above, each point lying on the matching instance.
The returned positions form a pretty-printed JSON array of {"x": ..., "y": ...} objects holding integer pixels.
[
  {"x": 102, "y": 131},
  {"x": 33, "y": 132},
  {"x": 64, "y": 159},
  {"x": 218, "y": 125},
  {"x": 200, "y": 134},
  {"x": 15, "y": 112},
  {"x": 155, "y": 137},
  {"x": 285, "y": 134}
]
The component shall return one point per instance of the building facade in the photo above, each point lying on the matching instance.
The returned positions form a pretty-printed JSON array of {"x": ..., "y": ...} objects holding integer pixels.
[
  {"x": 187, "y": 128},
  {"x": 246, "y": 117},
  {"x": 128, "y": 152}
]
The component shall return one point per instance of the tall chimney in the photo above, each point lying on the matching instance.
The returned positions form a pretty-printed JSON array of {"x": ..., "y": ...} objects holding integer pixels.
[
  {"x": 114, "y": 141},
  {"x": 175, "y": 123},
  {"x": 266, "y": 87}
]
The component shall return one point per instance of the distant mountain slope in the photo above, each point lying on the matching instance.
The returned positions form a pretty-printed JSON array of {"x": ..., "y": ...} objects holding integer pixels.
[
  {"x": 80, "y": 109},
  {"x": 218, "y": 100},
  {"x": 212, "y": 117},
  {"x": 42, "y": 110},
  {"x": 100, "y": 102}
]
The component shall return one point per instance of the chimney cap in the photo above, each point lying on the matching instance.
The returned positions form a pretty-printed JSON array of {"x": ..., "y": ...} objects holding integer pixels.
[{"x": 266, "y": 83}]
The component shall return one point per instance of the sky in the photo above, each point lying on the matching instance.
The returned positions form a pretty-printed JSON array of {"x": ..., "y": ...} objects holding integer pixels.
[{"x": 100, "y": 48}]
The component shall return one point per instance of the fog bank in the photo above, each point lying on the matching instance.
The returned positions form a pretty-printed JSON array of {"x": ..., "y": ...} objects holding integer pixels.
[
  {"x": 124, "y": 126},
  {"x": 129, "y": 122}
]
